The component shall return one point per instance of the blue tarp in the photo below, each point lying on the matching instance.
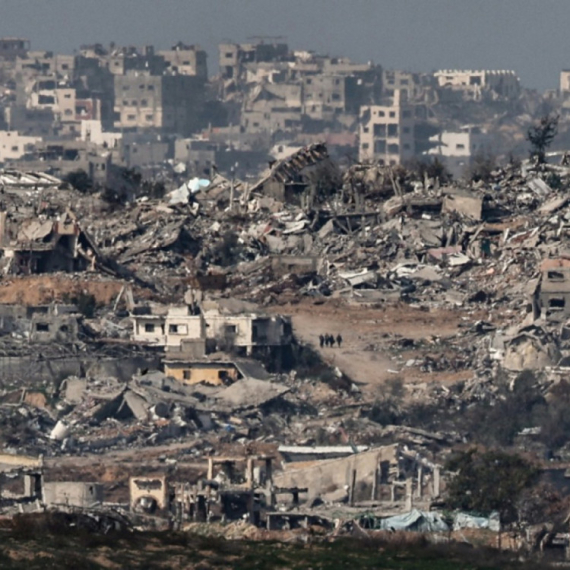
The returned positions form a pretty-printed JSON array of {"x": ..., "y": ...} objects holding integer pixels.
[
  {"x": 180, "y": 195},
  {"x": 417, "y": 521},
  {"x": 429, "y": 521},
  {"x": 465, "y": 520}
]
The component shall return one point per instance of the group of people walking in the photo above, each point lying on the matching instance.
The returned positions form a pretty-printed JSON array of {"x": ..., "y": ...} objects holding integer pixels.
[{"x": 329, "y": 340}]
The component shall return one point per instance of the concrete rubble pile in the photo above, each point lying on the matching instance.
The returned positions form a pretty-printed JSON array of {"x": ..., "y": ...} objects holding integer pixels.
[
  {"x": 197, "y": 276},
  {"x": 96, "y": 414},
  {"x": 371, "y": 235},
  {"x": 154, "y": 408},
  {"x": 381, "y": 235}
]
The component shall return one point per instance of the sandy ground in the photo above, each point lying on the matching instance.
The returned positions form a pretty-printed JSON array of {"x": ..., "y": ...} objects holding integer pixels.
[
  {"x": 364, "y": 355},
  {"x": 43, "y": 289}
]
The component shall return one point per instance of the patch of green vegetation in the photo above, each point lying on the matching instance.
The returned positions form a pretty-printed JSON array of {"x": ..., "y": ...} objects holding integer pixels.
[{"x": 154, "y": 550}]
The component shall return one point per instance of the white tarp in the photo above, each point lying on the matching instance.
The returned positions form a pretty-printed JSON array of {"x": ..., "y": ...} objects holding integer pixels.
[
  {"x": 430, "y": 521},
  {"x": 180, "y": 195},
  {"x": 415, "y": 520},
  {"x": 464, "y": 520},
  {"x": 197, "y": 184},
  {"x": 360, "y": 277}
]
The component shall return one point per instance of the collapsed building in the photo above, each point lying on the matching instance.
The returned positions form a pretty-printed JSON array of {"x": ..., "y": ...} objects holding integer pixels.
[
  {"x": 163, "y": 361},
  {"x": 389, "y": 474},
  {"x": 303, "y": 178},
  {"x": 552, "y": 294},
  {"x": 387, "y": 479},
  {"x": 36, "y": 246}
]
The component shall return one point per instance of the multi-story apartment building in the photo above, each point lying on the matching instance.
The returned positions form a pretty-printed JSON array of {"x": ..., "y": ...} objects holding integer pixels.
[
  {"x": 166, "y": 103},
  {"x": 269, "y": 108},
  {"x": 280, "y": 89},
  {"x": 565, "y": 82},
  {"x": 456, "y": 149},
  {"x": 45, "y": 63},
  {"x": 13, "y": 145},
  {"x": 186, "y": 60},
  {"x": 467, "y": 141},
  {"x": 474, "y": 85},
  {"x": 12, "y": 48},
  {"x": 387, "y": 131},
  {"x": 124, "y": 60},
  {"x": 30, "y": 122},
  {"x": 325, "y": 95},
  {"x": 234, "y": 57},
  {"x": 94, "y": 80},
  {"x": 411, "y": 84}
]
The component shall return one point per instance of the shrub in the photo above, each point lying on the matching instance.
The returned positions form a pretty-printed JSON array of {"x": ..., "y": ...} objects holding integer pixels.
[{"x": 86, "y": 303}]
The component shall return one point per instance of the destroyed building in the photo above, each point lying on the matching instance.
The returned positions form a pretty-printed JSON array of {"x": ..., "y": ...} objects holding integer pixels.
[
  {"x": 390, "y": 474},
  {"x": 553, "y": 289},
  {"x": 45, "y": 245},
  {"x": 168, "y": 103},
  {"x": 477, "y": 84},
  {"x": 203, "y": 276},
  {"x": 41, "y": 324},
  {"x": 212, "y": 370},
  {"x": 387, "y": 131},
  {"x": 301, "y": 178},
  {"x": 148, "y": 494},
  {"x": 74, "y": 494},
  {"x": 219, "y": 322},
  {"x": 55, "y": 325}
]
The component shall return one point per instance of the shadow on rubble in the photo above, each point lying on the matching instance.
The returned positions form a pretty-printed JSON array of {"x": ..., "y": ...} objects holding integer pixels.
[
  {"x": 87, "y": 529},
  {"x": 517, "y": 412},
  {"x": 309, "y": 364}
]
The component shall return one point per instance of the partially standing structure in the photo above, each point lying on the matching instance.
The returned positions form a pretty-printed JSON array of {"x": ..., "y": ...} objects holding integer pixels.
[
  {"x": 387, "y": 131},
  {"x": 221, "y": 324},
  {"x": 293, "y": 178}
]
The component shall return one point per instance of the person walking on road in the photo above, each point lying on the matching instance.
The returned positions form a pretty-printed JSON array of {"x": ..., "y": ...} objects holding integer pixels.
[
  {"x": 338, "y": 339},
  {"x": 321, "y": 340}
]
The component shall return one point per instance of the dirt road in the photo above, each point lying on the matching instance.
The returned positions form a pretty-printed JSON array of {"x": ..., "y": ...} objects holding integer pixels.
[{"x": 366, "y": 331}]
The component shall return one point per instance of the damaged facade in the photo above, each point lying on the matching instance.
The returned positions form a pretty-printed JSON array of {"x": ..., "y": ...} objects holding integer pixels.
[
  {"x": 45, "y": 246},
  {"x": 216, "y": 324},
  {"x": 300, "y": 178}
]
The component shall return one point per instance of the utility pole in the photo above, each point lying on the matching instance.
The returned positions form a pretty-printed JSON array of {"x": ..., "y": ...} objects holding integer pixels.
[{"x": 232, "y": 181}]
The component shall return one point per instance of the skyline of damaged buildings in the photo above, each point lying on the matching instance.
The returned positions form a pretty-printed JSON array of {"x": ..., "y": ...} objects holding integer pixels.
[{"x": 110, "y": 107}]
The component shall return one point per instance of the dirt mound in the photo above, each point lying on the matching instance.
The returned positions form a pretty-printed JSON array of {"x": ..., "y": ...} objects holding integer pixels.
[{"x": 44, "y": 289}]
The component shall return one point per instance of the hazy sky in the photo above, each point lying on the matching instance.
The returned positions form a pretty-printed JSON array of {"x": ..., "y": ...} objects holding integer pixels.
[{"x": 529, "y": 36}]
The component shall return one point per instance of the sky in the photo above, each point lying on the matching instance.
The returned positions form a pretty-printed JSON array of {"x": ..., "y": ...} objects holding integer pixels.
[{"x": 529, "y": 36}]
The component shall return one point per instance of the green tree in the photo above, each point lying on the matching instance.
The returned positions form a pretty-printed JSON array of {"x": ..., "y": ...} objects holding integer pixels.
[
  {"x": 489, "y": 481},
  {"x": 554, "y": 420},
  {"x": 541, "y": 136},
  {"x": 432, "y": 168},
  {"x": 86, "y": 304},
  {"x": 497, "y": 423}
]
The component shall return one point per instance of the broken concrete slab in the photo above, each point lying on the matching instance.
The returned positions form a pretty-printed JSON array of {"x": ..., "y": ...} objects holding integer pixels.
[
  {"x": 248, "y": 393},
  {"x": 464, "y": 205}
]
